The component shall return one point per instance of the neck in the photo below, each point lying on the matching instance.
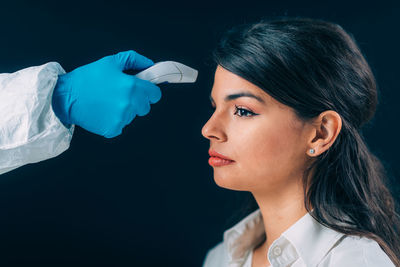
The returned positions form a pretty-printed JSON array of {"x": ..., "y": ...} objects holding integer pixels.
[{"x": 280, "y": 210}]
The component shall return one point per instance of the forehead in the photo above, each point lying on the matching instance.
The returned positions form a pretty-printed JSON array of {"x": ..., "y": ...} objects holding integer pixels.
[{"x": 226, "y": 82}]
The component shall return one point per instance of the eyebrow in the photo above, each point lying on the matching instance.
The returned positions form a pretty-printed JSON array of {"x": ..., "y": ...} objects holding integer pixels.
[{"x": 240, "y": 94}]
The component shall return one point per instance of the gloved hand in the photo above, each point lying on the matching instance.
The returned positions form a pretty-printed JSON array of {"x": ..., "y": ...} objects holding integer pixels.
[{"x": 102, "y": 99}]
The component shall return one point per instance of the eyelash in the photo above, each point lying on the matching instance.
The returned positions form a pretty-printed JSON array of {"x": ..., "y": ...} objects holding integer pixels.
[
  {"x": 239, "y": 109},
  {"x": 245, "y": 110}
]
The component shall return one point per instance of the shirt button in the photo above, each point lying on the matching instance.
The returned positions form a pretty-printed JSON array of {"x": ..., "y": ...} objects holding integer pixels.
[{"x": 277, "y": 251}]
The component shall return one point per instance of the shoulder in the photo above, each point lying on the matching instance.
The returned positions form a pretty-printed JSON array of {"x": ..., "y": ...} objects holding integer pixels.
[
  {"x": 216, "y": 256},
  {"x": 358, "y": 251}
]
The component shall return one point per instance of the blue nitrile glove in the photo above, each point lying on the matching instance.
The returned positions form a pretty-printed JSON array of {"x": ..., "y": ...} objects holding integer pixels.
[{"x": 102, "y": 99}]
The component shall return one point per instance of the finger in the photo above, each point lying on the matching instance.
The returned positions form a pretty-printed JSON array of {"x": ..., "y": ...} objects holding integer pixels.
[
  {"x": 129, "y": 115},
  {"x": 112, "y": 134},
  {"x": 142, "y": 108},
  {"x": 131, "y": 60},
  {"x": 131, "y": 119},
  {"x": 149, "y": 89}
]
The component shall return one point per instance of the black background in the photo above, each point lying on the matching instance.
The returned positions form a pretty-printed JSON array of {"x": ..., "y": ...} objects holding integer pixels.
[{"x": 147, "y": 197}]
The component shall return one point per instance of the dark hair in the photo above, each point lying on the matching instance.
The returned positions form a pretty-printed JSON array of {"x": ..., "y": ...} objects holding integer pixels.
[{"x": 312, "y": 65}]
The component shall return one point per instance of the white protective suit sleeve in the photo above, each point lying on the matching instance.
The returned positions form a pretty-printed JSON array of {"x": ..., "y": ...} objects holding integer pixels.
[{"x": 29, "y": 130}]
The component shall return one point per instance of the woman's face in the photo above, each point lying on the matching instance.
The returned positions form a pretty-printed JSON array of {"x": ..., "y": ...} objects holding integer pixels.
[{"x": 263, "y": 137}]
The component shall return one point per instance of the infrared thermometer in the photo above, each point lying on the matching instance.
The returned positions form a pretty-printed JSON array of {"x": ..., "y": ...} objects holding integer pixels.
[{"x": 168, "y": 71}]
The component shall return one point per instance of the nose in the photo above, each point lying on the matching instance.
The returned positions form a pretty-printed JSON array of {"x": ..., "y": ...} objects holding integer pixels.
[{"x": 213, "y": 130}]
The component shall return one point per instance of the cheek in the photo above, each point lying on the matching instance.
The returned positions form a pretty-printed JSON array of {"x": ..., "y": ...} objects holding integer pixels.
[
  {"x": 261, "y": 148},
  {"x": 266, "y": 154}
]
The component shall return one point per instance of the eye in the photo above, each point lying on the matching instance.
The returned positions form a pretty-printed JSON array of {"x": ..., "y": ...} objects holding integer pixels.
[{"x": 243, "y": 112}]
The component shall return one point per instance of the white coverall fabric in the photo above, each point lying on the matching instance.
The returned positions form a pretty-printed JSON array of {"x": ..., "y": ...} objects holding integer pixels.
[{"x": 29, "y": 130}]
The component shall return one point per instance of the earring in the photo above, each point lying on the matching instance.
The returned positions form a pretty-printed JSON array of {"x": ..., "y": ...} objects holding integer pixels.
[{"x": 312, "y": 151}]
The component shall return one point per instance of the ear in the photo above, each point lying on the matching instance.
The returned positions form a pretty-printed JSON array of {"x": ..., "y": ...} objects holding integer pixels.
[{"x": 324, "y": 131}]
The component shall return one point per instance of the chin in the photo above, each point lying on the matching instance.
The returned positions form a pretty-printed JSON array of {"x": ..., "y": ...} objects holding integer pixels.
[{"x": 230, "y": 182}]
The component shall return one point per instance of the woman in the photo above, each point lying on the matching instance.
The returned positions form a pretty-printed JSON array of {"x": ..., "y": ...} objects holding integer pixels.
[{"x": 291, "y": 97}]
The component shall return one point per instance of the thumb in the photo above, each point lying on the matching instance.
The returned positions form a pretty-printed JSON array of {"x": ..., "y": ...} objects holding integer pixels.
[{"x": 131, "y": 60}]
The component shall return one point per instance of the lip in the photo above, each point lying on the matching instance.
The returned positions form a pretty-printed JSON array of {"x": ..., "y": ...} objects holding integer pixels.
[
  {"x": 217, "y": 159},
  {"x": 213, "y": 153}
]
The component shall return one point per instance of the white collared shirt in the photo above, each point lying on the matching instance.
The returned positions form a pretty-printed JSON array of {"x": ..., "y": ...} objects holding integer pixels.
[{"x": 306, "y": 243}]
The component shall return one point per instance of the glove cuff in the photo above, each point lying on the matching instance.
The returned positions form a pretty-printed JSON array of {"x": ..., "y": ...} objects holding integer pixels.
[{"x": 61, "y": 99}]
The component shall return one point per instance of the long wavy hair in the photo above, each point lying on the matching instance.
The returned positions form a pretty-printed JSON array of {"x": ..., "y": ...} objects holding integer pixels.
[{"x": 312, "y": 65}]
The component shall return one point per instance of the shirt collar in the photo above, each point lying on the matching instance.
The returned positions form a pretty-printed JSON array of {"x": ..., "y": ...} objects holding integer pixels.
[{"x": 310, "y": 239}]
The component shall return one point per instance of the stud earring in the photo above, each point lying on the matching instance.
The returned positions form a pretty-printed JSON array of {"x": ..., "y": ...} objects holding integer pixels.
[{"x": 312, "y": 151}]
